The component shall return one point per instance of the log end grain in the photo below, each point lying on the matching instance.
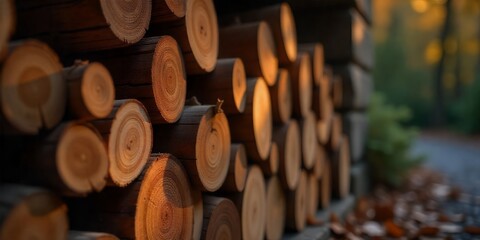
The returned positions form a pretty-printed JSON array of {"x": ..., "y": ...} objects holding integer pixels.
[
  {"x": 33, "y": 92},
  {"x": 309, "y": 140},
  {"x": 81, "y": 158},
  {"x": 281, "y": 96},
  {"x": 128, "y": 19},
  {"x": 253, "y": 205},
  {"x": 262, "y": 117},
  {"x": 320, "y": 158},
  {"x": 288, "y": 140},
  {"x": 202, "y": 31},
  {"x": 222, "y": 219},
  {"x": 336, "y": 132},
  {"x": 239, "y": 83},
  {"x": 168, "y": 79},
  {"x": 164, "y": 205},
  {"x": 129, "y": 142},
  {"x": 31, "y": 213},
  {"x": 267, "y": 54},
  {"x": 237, "y": 172},
  {"x": 276, "y": 209},
  {"x": 297, "y": 205},
  {"x": 274, "y": 159},
  {"x": 289, "y": 32},
  {"x": 7, "y": 25},
  {"x": 301, "y": 77},
  {"x": 317, "y": 57}
]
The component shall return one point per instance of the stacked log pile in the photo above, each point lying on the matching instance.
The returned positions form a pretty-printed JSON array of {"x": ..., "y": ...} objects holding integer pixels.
[{"x": 168, "y": 119}]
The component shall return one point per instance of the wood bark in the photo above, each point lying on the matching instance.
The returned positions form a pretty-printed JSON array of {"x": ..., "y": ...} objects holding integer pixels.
[
  {"x": 127, "y": 136},
  {"x": 281, "y": 98},
  {"x": 221, "y": 219},
  {"x": 297, "y": 205},
  {"x": 287, "y": 138},
  {"x": 276, "y": 209},
  {"x": 227, "y": 82},
  {"x": 253, "y": 127},
  {"x": 237, "y": 170},
  {"x": 302, "y": 85},
  {"x": 254, "y": 44},
  {"x": 201, "y": 139},
  {"x": 103, "y": 25},
  {"x": 7, "y": 25},
  {"x": 33, "y": 93}
]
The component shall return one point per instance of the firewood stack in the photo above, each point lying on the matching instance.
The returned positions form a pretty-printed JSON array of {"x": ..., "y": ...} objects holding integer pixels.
[{"x": 161, "y": 120}]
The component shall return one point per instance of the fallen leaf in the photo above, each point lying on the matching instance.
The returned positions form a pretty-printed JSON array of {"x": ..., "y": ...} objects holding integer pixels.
[{"x": 393, "y": 229}]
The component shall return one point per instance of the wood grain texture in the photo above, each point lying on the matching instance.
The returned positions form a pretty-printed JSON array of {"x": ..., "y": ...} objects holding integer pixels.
[
  {"x": 33, "y": 93},
  {"x": 318, "y": 60},
  {"x": 272, "y": 164},
  {"x": 302, "y": 84},
  {"x": 287, "y": 138},
  {"x": 221, "y": 219},
  {"x": 276, "y": 209},
  {"x": 297, "y": 205},
  {"x": 80, "y": 235},
  {"x": 281, "y": 97},
  {"x": 325, "y": 185},
  {"x": 167, "y": 11},
  {"x": 237, "y": 170},
  {"x": 103, "y": 25},
  {"x": 308, "y": 140}
]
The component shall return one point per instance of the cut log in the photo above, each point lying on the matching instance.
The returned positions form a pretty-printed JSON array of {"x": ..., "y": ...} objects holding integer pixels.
[
  {"x": 33, "y": 93},
  {"x": 312, "y": 198},
  {"x": 251, "y": 204},
  {"x": 201, "y": 139},
  {"x": 155, "y": 75},
  {"x": 157, "y": 205},
  {"x": 281, "y": 97},
  {"x": 197, "y": 34},
  {"x": 325, "y": 186},
  {"x": 321, "y": 100},
  {"x": 287, "y": 138},
  {"x": 341, "y": 169},
  {"x": 336, "y": 133},
  {"x": 127, "y": 135},
  {"x": 316, "y": 56},
  {"x": 355, "y": 125},
  {"x": 7, "y": 25},
  {"x": 324, "y": 130},
  {"x": 301, "y": 80},
  {"x": 90, "y": 90},
  {"x": 227, "y": 82},
  {"x": 254, "y": 44},
  {"x": 280, "y": 19},
  {"x": 320, "y": 158},
  {"x": 198, "y": 213},
  {"x": 167, "y": 11},
  {"x": 357, "y": 87},
  {"x": 297, "y": 205},
  {"x": 338, "y": 92},
  {"x": 253, "y": 128},
  {"x": 31, "y": 213},
  {"x": 309, "y": 140},
  {"x": 106, "y": 25},
  {"x": 79, "y": 235},
  {"x": 276, "y": 209},
  {"x": 237, "y": 170},
  {"x": 272, "y": 164},
  {"x": 222, "y": 220}
]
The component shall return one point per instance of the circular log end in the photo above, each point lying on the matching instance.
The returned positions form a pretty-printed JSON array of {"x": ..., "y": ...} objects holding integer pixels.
[
  {"x": 317, "y": 63},
  {"x": 33, "y": 92},
  {"x": 239, "y": 83},
  {"x": 284, "y": 95},
  {"x": 305, "y": 85},
  {"x": 168, "y": 79},
  {"x": 325, "y": 185},
  {"x": 267, "y": 54},
  {"x": 324, "y": 128},
  {"x": 213, "y": 149},
  {"x": 130, "y": 142},
  {"x": 37, "y": 215},
  {"x": 273, "y": 159},
  {"x": 312, "y": 196},
  {"x": 240, "y": 166},
  {"x": 289, "y": 32},
  {"x": 177, "y": 7},
  {"x": 202, "y": 31},
  {"x": 320, "y": 158},
  {"x": 253, "y": 209},
  {"x": 276, "y": 210},
  {"x": 309, "y": 140},
  {"x": 98, "y": 90},
  {"x": 262, "y": 118},
  {"x": 164, "y": 205},
  {"x": 292, "y": 155},
  {"x": 128, "y": 19},
  {"x": 81, "y": 158},
  {"x": 7, "y": 25},
  {"x": 224, "y": 220}
]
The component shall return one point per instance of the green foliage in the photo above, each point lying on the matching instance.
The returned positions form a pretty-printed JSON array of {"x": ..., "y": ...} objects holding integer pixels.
[
  {"x": 465, "y": 112},
  {"x": 389, "y": 142}
]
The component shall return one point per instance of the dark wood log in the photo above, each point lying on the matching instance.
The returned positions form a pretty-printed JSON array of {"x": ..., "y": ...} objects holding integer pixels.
[
  {"x": 297, "y": 205},
  {"x": 302, "y": 85},
  {"x": 251, "y": 204},
  {"x": 312, "y": 199},
  {"x": 31, "y": 213},
  {"x": 335, "y": 139},
  {"x": 363, "y": 6},
  {"x": 155, "y": 75},
  {"x": 321, "y": 156},
  {"x": 156, "y": 205},
  {"x": 221, "y": 219},
  {"x": 255, "y": 45},
  {"x": 272, "y": 164},
  {"x": 287, "y": 138},
  {"x": 196, "y": 33},
  {"x": 339, "y": 92},
  {"x": 227, "y": 82},
  {"x": 324, "y": 130},
  {"x": 90, "y": 90},
  {"x": 33, "y": 92},
  {"x": 198, "y": 213},
  {"x": 280, "y": 19},
  {"x": 103, "y": 25},
  {"x": 315, "y": 50},
  {"x": 253, "y": 128},
  {"x": 281, "y": 97},
  {"x": 237, "y": 170},
  {"x": 341, "y": 169},
  {"x": 355, "y": 125},
  {"x": 309, "y": 140},
  {"x": 79, "y": 235},
  {"x": 322, "y": 104},
  {"x": 7, "y": 25},
  {"x": 344, "y": 34},
  {"x": 276, "y": 209},
  {"x": 325, "y": 185},
  {"x": 127, "y": 135},
  {"x": 201, "y": 139},
  {"x": 357, "y": 87},
  {"x": 167, "y": 11}
]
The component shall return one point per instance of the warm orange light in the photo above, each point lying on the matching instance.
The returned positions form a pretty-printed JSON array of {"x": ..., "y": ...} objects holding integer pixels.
[
  {"x": 433, "y": 52},
  {"x": 420, "y": 6}
]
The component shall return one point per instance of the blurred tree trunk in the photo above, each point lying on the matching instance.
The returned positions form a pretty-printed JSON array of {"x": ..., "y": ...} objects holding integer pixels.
[
  {"x": 439, "y": 97},
  {"x": 458, "y": 70}
]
